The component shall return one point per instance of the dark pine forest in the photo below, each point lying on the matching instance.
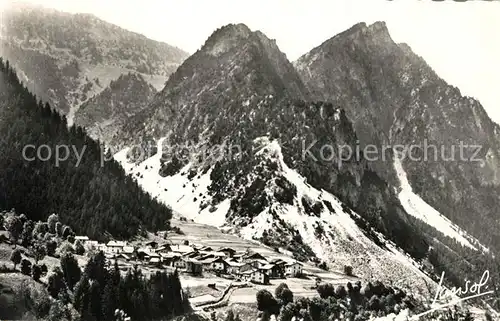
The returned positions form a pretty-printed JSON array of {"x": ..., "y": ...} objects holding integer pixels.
[{"x": 94, "y": 200}]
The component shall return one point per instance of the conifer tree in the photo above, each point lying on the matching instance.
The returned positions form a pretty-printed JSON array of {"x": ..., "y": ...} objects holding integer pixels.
[
  {"x": 15, "y": 257},
  {"x": 70, "y": 269}
]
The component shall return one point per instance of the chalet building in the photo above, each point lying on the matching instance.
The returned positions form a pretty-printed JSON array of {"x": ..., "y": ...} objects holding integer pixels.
[
  {"x": 259, "y": 277},
  {"x": 256, "y": 263},
  {"x": 152, "y": 245},
  {"x": 86, "y": 242},
  {"x": 249, "y": 266},
  {"x": 246, "y": 276},
  {"x": 182, "y": 249},
  {"x": 143, "y": 254},
  {"x": 214, "y": 264},
  {"x": 237, "y": 268},
  {"x": 255, "y": 276},
  {"x": 229, "y": 252},
  {"x": 254, "y": 256},
  {"x": 115, "y": 246},
  {"x": 192, "y": 255},
  {"x": 211, "y": 255},
  {"x": 164, "y": 248},
  {"x": 193, "y": 267},
  {"x": 169, "y": 258},
  {"x": 273, "y": 271},
  {"x": 82, "y": 238},
  {"x": 293, "y": 269},
  {"x": 280, "y": 267},
  {"x": 180, "y": 263},
  {"x": 155, "y": 261},
  {"x": 129, "y": 251}
]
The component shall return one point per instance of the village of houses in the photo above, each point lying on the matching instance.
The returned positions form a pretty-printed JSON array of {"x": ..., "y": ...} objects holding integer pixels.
[{"x": 195, "y": 260}]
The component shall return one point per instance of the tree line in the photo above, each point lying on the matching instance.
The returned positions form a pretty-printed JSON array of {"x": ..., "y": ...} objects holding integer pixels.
[{"x": 353, "y": 302}]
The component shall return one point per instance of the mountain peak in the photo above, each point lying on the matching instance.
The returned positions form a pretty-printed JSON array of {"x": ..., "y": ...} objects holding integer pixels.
[
  {"x": 226, "y": 37},
  {"x": 376, "y": 32}
]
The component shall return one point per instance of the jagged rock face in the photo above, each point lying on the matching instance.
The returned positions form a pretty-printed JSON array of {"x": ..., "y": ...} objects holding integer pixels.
[
  {"x": 66, "y": 59},
  {"x": 393, "y": 97},
  {"x": 228, "y": 75},
  {"x": 104, "y": 114}
]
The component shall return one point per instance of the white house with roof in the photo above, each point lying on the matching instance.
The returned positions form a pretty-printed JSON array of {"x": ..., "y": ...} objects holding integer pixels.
[
  {"x": 293, "y": 269},
  {"x": 86, "y": 242},
  {"x": 115, "y": 246},
  {"x": 182, "y": 249},
  {"x": 214, "y": 263},
  {"x": 129, "y": 250},
  {"x": 255, "y": 276},
  {"x": 90, "y": 244},
  {"x": 260, "y": 277},
  {"x": 237, "y": 267}
]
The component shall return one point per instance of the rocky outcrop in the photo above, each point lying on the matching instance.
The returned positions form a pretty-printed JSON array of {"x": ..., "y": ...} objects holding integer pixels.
[{"x": 394, "y": 98}]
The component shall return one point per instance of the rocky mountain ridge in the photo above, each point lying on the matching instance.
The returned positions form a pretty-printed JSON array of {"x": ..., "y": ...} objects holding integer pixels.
[
  {"x": 68, "y": 58},
  {"x": 105, "y": 114},
  {"x": 394, "y": 98},
  {"x": 232, "y": 70}
]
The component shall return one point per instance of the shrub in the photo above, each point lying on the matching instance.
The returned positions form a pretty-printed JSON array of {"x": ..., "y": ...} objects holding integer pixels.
[
  {"x": 39, "y": 250},
  {"x": 348, "y": 270},
  {"x": 65, "y": 248},
  {"x": 367, "y": 290},
  {"x": 26, "y": 267},
  {"x": 51, "y": 246},
  {"x": 374, "y": 303},
  {"x": 177, "y": 230},
  {"x": 266, "y": 302},
  {"x": 36, "y": 272},
  {"x": 323, "y": 266},
  {"x": 287, "y": 312},
  {"x": 326, "y": 290},
  {"x": 283, "y": 294},
  {"x": 79, "y": 249},
  {"x": 340, "y": 292},
  {"x": 15, "y": 257}
]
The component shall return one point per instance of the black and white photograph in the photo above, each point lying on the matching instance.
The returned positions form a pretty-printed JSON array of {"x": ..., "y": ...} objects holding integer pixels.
[{"x": 267, "y": 160}]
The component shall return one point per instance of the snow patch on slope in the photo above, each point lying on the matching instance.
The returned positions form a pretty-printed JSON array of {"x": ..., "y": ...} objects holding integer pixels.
[
  {"x": 342, "y": 242},
  {"x": 417, "y": 207},
  {"x": 187, "y": 197}
]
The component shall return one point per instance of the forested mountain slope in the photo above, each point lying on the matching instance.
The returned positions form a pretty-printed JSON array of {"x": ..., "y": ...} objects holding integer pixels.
[
  {"x": 66, "y": 59},
  {"x": 93, "y": 197}
]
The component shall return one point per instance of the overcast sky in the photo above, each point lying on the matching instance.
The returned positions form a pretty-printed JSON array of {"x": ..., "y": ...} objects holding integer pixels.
[{"x": 459, "y": 40}]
